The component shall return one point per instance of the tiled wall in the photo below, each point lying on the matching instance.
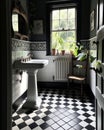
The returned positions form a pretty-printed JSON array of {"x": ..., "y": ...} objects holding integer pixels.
[
  {"x": 20, "y": 49},
  {"x": 93, "y": 52},
  {"x": 91, "y": 46}
]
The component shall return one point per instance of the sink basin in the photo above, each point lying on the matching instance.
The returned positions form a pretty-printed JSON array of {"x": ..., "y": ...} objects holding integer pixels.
[{"x": 31, "y": 64}]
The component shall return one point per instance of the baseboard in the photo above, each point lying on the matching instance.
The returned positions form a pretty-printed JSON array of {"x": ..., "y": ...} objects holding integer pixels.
[
  {"x": 58, "y": 84},
  {"x": 64, "y": 85},
  {"x": 53, "y": 85},
  {"x": 17, "y": 103}
]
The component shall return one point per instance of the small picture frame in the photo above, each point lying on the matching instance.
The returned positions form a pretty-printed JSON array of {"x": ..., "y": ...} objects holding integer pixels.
[
  {"x": 38, "y": 27},
  {"x": 92, "y": 20}
]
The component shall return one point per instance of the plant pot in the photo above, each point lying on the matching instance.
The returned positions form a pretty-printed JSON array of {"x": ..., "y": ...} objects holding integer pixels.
[
  {"x": 53, "y": 51},
  {"x": 63, "y": 52},
  {"x": 71, "y": 52}
]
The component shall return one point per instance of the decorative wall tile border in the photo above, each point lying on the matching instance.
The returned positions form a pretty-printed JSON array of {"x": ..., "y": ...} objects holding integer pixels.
[
  {"x": 89, "y": 43},
  {"x": 38, "y": 46},
  {"x": 92, "y": 45},
  {"x": 21, "y": 45},
  {"x": 85, "y": 43}
]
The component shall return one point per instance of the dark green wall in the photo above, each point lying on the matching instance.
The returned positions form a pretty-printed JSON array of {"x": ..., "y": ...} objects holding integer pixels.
[
  {"x": 85, "y": 11},
  {"x": 37, "y": 10},
  {"x": 93, "y": 6}
]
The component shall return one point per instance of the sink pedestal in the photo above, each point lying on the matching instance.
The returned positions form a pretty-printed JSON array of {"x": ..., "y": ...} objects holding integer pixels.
[
  {"x": 31, "y": 66},
  {"x": 33, "y": 101}
]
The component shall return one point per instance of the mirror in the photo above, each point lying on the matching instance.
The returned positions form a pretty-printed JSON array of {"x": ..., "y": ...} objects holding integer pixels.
[{"x": 19, "y": 21}]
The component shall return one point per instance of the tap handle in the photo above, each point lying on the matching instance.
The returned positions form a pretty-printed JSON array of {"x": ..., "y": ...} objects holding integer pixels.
[{"x": 30, "y": 54}]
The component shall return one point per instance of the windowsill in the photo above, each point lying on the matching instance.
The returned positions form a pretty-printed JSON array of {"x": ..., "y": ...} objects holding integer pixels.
[{"x": 60, "y": 55}]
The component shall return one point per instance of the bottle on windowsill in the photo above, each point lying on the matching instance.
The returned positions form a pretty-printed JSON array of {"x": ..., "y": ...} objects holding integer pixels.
[{"x": 57, "y": 52}]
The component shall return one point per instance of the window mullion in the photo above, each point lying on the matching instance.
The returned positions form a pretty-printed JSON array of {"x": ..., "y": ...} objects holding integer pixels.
[
  {"x": 59, "y": 18},
  {"x": 64, "y": 28},
  {"x": 58, "y": 30}
]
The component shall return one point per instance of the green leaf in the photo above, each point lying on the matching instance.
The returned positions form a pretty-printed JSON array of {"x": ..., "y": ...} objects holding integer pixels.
[
  {"x": 79, "y": 66},
  {"x": 82, "y": 56},
  {"x": 92, "y": 58}
]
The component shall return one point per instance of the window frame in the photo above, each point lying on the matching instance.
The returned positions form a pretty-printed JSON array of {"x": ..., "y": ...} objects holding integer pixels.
[
  {"x": 62, "y": 30},
  {"x": 49, "y": 7}
]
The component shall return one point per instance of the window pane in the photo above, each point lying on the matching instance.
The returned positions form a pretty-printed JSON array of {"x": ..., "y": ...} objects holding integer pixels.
[
  {"x": 63, "y": 14},
  {"x": 71, "y": 13},
  {"x": 61, "y": 36},
  {"x": 55, "y": 24},
  {"x": 71, "y": 36},
  {"x": 63, "y": 24},
  {"x": 62, "y": 40},
  {"x": 71, "y": 24},
  {"x": 56, "y": 40},
  {"x": 55, "y": 14},
  {"x": 68, "y": 36}
]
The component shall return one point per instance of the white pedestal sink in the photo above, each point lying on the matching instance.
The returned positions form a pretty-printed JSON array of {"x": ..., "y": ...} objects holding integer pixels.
[{"x": 31, "y": 66}]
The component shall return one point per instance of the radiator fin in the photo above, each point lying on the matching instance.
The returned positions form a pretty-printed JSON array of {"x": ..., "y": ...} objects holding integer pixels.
[{"x": 61, "y": 68}]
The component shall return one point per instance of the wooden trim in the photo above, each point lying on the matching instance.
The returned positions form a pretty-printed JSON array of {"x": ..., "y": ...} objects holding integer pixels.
[
  {"x": 5, "y": 40},
  {"x": 15, "y": 10},
  {"x": 100, "y": 98}
]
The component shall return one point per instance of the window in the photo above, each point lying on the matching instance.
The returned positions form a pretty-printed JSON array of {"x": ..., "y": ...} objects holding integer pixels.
[{"x": 63, "y": 28}]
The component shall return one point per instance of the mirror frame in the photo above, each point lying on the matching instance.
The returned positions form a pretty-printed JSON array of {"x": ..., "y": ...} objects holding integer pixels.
[{"x": 18, "y": 9}]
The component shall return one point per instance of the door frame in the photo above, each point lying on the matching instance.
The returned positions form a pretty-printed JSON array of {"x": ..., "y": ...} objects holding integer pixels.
[{"x": 5, "y": 50}]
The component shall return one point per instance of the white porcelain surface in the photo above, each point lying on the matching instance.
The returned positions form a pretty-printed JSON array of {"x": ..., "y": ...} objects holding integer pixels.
[{"x": 30, "y": 64}]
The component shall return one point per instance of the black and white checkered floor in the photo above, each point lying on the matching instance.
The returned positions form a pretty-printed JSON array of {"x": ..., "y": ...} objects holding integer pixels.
[{"x": 60, "y": 110}]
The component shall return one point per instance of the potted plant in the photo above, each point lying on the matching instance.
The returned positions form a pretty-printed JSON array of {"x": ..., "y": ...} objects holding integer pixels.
[
  {"x": 53, "y": 51},
  {"x": 95, "y": 64},
  {"x": 75, "y": 49},
  {"x": 54, "y": 45},
  {"x": 61, "y": 44}
]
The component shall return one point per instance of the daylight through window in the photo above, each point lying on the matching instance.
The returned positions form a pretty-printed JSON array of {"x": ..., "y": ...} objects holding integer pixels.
[{"x": 63, "y": 29}]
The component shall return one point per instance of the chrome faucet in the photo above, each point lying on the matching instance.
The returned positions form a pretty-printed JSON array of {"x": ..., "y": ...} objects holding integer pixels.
[{"x": 30, "y": 55}]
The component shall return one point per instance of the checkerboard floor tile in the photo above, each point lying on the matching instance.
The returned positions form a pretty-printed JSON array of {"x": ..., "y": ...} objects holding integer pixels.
[{"x": 60, "y": 110}]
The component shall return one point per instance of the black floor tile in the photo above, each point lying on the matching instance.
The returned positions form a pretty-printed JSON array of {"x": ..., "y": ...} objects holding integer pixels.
[{"x": 60, "y": 110}]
